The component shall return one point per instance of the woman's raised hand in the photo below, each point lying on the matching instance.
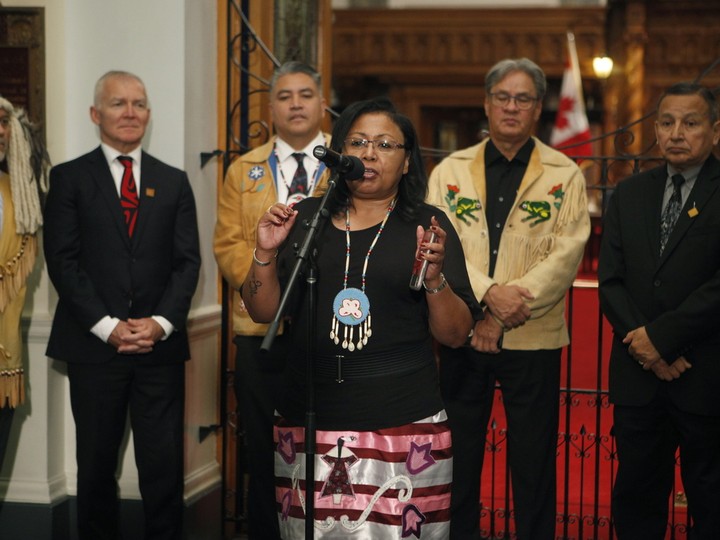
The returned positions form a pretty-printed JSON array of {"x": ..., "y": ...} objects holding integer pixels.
[{"x": 274, "y": 226}]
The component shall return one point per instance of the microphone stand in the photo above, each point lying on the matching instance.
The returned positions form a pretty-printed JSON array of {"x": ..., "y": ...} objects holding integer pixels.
[{"x": 306, "y": 256}]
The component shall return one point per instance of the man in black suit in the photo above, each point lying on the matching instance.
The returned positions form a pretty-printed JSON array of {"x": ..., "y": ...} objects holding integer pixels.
[
  {"x": 659, "y": 275},
  {"x": 121, "y": 244}
]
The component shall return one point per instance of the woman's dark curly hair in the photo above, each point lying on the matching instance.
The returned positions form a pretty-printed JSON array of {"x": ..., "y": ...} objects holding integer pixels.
[{"x": 413, "y": 185}]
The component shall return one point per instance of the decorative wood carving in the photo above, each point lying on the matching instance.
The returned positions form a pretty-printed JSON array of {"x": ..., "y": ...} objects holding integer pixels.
[
  {"x": 432, "y": 63},
  {"x": 457, "y": 46},
  {"x": 438, "y": 58},
  {"x": 665, "y": 42},
  {"x": 22, "y": 59},
  {"x": 682, "y": 39}
]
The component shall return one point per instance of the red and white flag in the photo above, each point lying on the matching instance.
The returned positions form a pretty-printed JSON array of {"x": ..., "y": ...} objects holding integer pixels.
[{"x": 571, "y": 123}]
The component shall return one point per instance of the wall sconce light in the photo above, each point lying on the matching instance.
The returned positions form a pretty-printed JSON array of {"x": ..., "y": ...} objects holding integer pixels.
[{"x": 602, "y": 66}]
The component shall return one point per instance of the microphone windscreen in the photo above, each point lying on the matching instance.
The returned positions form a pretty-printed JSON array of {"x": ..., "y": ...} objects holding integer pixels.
[{"x": 356, "y": 171}]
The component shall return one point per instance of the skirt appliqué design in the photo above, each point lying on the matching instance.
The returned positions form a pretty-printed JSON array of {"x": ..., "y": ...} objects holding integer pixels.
[{"x": 392, "y": 483}]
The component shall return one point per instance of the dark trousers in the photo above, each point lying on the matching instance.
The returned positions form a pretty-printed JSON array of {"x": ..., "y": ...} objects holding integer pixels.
[
  {"x": 647, "y": 439},
  {"x": 6, "y": 417},
  {"x": 258, "y": 383},
  {"x": 101, "y": 395},
  {"x": 530, "y": 391}
]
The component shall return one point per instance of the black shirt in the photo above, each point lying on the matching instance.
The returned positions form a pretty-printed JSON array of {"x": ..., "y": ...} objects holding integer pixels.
[
  {"x": 399, "y": 376},
  {"x": 502, "y": 180}
]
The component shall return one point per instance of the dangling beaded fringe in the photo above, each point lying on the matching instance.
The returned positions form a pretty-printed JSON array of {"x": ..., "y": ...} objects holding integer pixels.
[{"x": 364, "y": 333}]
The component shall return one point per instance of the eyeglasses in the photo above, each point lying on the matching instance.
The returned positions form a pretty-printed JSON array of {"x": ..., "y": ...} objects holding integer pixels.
[
  {"x": 380, "y": 145},
  {"x": 522, "y": 101}
]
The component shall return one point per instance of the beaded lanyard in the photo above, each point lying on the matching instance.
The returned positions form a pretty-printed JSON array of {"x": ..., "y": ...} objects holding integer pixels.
[{"x": 351, "y": 306}]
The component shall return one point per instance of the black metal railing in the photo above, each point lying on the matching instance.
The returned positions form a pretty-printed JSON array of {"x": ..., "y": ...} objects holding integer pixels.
[{"x": 234, "y": 465}]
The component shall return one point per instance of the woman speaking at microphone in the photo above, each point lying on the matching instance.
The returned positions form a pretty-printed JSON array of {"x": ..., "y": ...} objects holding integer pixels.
[{"x": 383, "y": 458}]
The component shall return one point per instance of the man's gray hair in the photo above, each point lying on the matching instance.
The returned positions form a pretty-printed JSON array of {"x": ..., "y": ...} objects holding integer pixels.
[
  {"x": 510, "y": 65},
  {"x": 294, "y": 66},
  {"x": 100, "y": 84}
]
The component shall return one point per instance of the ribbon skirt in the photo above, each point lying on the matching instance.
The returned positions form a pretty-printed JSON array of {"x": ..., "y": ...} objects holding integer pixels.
[{"x": 385, "y": 484}]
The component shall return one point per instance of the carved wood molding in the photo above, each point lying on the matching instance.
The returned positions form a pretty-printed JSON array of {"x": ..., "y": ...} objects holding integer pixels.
[
  {"x": 682, "y": 40},
  {"x": 457, "y": 46},
  {"x": 22, "y": 59}
]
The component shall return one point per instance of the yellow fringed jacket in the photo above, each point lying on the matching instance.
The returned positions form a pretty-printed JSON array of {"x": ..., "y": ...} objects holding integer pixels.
[
  {"x": 17, "y": 258},
  {"x": 543, "y": 240},
  {"x": 248, "y": 191}
]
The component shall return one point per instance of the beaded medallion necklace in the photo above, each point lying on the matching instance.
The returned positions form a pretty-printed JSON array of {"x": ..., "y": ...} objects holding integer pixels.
[{"x": 351, "y": 306}]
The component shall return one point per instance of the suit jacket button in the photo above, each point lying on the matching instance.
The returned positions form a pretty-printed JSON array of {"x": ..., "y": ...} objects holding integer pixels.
[{"x": 657, "y": 282}]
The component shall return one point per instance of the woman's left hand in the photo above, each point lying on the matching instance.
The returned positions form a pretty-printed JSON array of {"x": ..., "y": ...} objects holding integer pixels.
[{"x": 433, "y": 252}]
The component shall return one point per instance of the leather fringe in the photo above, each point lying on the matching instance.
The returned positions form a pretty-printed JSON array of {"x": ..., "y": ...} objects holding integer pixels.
[
  {"x": 14, "y": 271},
  {"x": 12, "y": 388}
]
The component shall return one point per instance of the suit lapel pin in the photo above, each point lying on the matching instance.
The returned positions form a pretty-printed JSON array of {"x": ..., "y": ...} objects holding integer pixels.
[
  {"x": 693, "y": 211},
  {"x": 149, "y": 192}
]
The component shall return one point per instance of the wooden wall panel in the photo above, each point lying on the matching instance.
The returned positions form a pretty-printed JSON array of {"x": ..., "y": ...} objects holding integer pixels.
[
  {"x": 22, "y": 59},
  {"x": 457, "y": 46},
  {"x": 431, "y": 58},
  {"x": 432, "y": 63}
]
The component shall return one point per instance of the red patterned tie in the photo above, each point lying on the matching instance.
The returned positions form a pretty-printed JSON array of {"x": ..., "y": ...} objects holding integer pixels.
[{"x": 128, "y": 194}]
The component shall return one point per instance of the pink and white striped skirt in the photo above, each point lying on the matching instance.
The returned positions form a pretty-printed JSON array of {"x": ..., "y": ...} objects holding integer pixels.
[{"x": 391, "y": 483}]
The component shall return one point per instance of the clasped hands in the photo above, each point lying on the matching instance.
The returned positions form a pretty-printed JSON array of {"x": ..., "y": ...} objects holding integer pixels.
[
  {"x": 506, "y": 309},
  {"x": 136, "y": 336},
  {"x": 642, "y": 349}
]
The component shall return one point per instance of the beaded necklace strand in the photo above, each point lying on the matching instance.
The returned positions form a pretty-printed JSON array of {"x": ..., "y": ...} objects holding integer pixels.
[{"x": 351, "y": 306}]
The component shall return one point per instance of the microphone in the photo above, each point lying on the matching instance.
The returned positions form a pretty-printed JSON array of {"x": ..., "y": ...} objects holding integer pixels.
[{"x": 349, "y": 166}]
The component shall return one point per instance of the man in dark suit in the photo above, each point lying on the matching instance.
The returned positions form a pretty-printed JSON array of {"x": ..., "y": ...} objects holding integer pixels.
[
  {"x": 659, "y": 275},
  {"x": 121, "y": 244}
]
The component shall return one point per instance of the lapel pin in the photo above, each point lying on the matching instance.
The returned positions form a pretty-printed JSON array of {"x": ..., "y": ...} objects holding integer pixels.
[
  {"x": 693, "y": 211},
  {"x": 149, "y": 192}
]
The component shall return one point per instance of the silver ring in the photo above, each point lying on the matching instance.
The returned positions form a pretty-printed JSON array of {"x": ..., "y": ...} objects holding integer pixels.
[{"x": 641, "y": 362}]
